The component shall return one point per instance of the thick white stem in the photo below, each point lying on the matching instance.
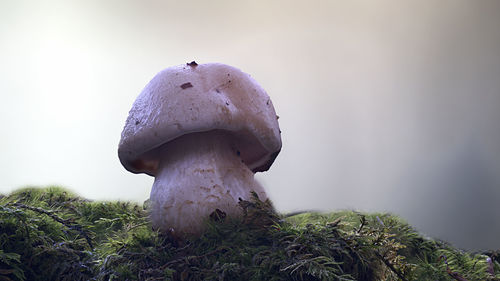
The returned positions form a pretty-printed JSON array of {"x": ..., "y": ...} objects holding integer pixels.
[{"x": 199, "y": 173}]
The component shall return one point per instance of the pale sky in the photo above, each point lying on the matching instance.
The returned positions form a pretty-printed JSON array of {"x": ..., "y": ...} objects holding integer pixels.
[{"x": 384, "y": 105}]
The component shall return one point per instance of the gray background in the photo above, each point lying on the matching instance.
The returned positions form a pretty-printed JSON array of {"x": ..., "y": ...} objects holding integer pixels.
[{"x": 384, "y": 105}]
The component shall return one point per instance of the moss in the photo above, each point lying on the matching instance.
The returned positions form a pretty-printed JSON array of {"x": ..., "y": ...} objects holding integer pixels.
[{"x": 52, "y": 234}]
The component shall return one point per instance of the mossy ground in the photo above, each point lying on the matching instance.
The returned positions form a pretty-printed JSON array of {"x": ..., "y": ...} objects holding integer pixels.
[{"x": 52, "y": 234}]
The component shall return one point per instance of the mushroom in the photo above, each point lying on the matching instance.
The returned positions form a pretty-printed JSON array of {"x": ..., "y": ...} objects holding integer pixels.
[{"x": 202, "y": 130}]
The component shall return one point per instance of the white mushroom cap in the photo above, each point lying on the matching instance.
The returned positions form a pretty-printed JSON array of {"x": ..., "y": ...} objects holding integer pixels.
[{"x": 193, "y": 98}]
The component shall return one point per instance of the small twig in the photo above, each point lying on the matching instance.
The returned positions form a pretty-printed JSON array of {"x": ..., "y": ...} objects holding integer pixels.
[
  {"x": 390, "y": 266},
  {"x": 291, "y": 214},
  {"x": 68, "y": 223},
  {"x": 363, "y": 221},
  {"x": 335, "y": 222},
  {"x": 454, "y": 275},
  {"x": 130, "y": 227},
  {"x": 42, "y": 211}
]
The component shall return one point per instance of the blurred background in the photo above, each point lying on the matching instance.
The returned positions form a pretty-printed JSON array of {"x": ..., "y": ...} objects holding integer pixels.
[{"x": 386, "y": 105}]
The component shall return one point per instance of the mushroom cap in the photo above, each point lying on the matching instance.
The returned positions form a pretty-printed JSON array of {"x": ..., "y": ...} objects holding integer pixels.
[{"x": 192, "y": 98}]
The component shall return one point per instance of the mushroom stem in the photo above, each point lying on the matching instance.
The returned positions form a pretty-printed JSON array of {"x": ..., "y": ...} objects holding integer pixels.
[{"x": 197, "y": 174}]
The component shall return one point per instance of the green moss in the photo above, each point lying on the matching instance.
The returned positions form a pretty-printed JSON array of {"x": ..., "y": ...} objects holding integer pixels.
[{"x": 52, "y": 234}]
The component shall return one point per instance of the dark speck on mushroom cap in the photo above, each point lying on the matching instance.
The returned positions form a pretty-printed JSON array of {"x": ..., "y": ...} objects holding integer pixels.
[
  {"x": 186, "y": 85},
  {"x": 181, "y": 100}
]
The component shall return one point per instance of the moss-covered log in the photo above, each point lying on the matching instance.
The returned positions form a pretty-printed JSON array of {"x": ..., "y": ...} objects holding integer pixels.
[{"x": 52, "y": 234}]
